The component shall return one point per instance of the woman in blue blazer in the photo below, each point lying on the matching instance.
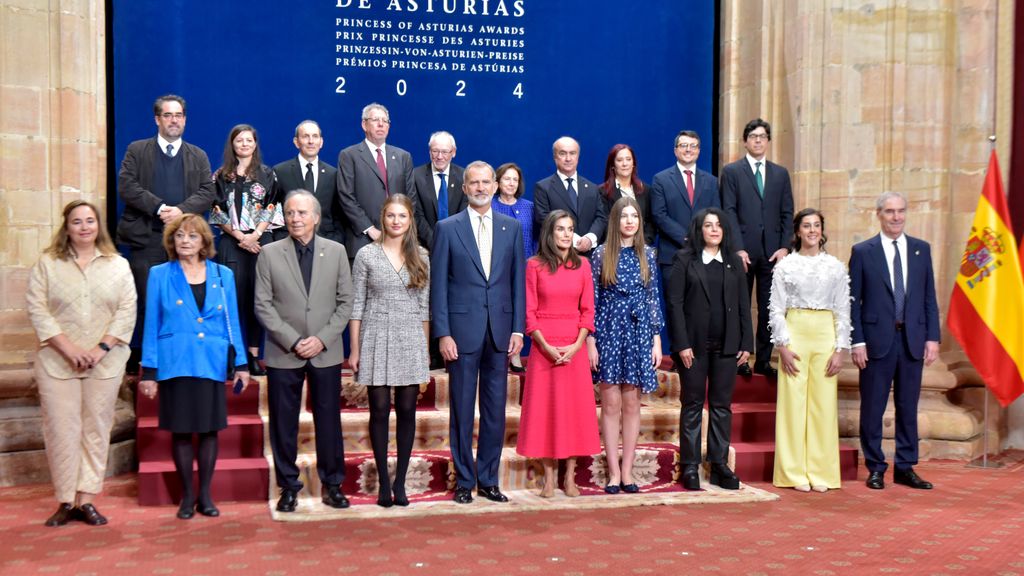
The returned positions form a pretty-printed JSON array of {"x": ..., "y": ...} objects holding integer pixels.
[{"x": 191, "y": 322}]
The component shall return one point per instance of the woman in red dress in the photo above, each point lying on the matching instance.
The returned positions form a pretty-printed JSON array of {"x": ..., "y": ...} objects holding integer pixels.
[{"x": 559, "y": 413}]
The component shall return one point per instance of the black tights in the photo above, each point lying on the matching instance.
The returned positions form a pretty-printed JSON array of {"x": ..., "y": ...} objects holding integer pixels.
[
  {"x": 181, "y": 447},
  {"x": 405, "y": 432}
]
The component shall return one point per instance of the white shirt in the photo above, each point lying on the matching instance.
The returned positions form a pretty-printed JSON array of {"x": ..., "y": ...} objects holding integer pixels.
[
  {"x": 316, "y": 165},
  {"x": 175, "y": 146},
  {"x": 437, "y": 179},
  {"x": 754, "y": 168},
  {"x": 812, "y": 283},
  {"x": 373, "y": 151},
  {"x": 707, "y": 258},
  {"x": 474, "y": 221},
  {"x": 888, "y": 248},
  {"x": 576, "y": 186},
  {"x": 682, "y": 172}
]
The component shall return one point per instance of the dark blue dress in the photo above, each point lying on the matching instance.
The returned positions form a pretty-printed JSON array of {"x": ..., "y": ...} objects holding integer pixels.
[
  {"x": 522, "y": 211},
  {"x": 627, "y": 316}
]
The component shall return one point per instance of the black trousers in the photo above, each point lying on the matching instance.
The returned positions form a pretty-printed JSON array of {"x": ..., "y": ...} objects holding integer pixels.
[
  {"x": 712, "y": 376},
  {"x": 140, "y": 260},
  {"x": 761, "y": 270},
  {"x": 243, "y": 264},
  {"x": 284, "y": 393}
]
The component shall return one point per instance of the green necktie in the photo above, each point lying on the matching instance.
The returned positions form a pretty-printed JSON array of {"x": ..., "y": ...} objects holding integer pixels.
[{"x": 760, "y": 180}]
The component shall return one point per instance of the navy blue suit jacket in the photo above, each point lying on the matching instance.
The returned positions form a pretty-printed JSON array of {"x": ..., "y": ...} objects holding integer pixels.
[
  {"x": 459, "y": 291},
  {"x": 762, "y": 226},
  {"x": 589, "y": 216},
  {"x": 671, "y": 209},
  {"x": 873, "y": 310},
  {"x": 181, "y": 340}
]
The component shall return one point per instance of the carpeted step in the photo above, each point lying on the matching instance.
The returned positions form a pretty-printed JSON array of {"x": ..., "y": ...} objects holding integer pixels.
[
  {"x": 243, "y": 438},
  {"x": 234, "y": 479},
  {"x": 755, "y": 461},
  {"x": 753, "y": 421},
  {"x": 248, "y": 402}
]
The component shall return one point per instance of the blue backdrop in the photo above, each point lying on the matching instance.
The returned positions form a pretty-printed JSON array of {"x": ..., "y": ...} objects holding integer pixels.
[{"x": 603, "y": 72}]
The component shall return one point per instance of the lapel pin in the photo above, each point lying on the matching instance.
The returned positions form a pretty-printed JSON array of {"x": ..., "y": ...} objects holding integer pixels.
[
  {"x": 502, "y": 228},
  {"x": 917, "y": 252},
  {"x": 321, "y": 254}
]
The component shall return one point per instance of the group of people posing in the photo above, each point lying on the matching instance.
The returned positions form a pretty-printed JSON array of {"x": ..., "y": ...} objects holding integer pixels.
[{"x": 441, "y": 263}]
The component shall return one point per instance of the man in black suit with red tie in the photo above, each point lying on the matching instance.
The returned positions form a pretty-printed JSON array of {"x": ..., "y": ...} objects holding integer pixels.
[
  {"x": 438, "y": 187},
  {"x": 758, "y": 197},
  {"x": 567, "y": 190},
  {"x": 308, "y": 172}
]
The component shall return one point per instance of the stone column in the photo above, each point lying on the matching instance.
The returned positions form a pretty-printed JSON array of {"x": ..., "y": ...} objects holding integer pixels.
[
  {"x": 53, "y": 148},
  {"x": 865, "y": 97}
]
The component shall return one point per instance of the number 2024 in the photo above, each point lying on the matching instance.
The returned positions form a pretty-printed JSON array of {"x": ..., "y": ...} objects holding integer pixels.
[{"x": 401, "y": 87}]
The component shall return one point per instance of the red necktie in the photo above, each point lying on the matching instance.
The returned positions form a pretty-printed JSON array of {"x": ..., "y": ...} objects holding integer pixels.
[
  {"x": 383, "y": 171},
  {"x": 689, "y": 185}
]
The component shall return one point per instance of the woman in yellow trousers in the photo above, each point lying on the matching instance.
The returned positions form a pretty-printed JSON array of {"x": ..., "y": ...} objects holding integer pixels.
[{"x": 810, "y": 324}]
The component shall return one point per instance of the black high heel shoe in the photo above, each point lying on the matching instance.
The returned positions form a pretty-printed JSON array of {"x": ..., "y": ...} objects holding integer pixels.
[
  {"x": 208, "y": 509},
  {"x": 186, "y": 510}
]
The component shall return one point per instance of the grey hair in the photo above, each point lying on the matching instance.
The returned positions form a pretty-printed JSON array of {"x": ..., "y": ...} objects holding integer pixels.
[
  {"x": 480, "y": 164},
  {"x": 374, "y": 106},
  {"x": 313, "y": 122},
  {"x": 442, "y": 134},
  {"x": 886, "y": 196},
  {"x": 306, "y": 193}
]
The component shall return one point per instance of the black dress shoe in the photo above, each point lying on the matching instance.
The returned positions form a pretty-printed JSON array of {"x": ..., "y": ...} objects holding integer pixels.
[
  {"x": 691, "y": 476},
  {"x": 384, "y": 499},
  {"x": 332, "y": 496},
  {"x": 287, "y": 501},
  {"x": 208, "y": 509},
  {"x": 186, "y": 510},
  {"x": 723, "y": 477},
  {"x": 463, "y": 495},
  {"x": 491, "y": 493},
  {"x": 399, "y": 498},
  {"x": 875, "y": 481},
  {"x": 630, "y": 488},
  {"x": 766, "y": 370},
  {"x": 254, "y": 367},
  {"x": 91, "y": 516},
  {"x": 910, "y": 478},
  {"x": 64, "y": 514},
  {"x": 744, "y": 370}
]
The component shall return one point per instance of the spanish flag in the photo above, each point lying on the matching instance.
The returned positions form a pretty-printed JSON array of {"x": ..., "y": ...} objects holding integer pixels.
[{"x": 986, "y": 312}]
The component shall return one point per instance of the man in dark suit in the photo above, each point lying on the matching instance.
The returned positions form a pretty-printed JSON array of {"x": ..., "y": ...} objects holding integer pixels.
[
  {"x": 566, "y": 190},
  {"x": 368, "y": 172},
  {"x": 758, "y": 197},
  {"x": 478, "y": 311},
  {"x": 677, "y": 193},
  {"x": 308, "y": 172},
  {"x": 304, "y": 300},
  {"x": 438, "y": 186},
  {"x": 895, "y": 320},
  {"x": 160, "y": 179}
]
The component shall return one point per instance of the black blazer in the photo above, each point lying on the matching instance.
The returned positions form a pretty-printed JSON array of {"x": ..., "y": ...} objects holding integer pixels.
[
  {"x": 763, "y": 226},
  {"x": 424, "y": 199},
  {"x": 135, "y": 184},
  {"x": 689, "y": 305},
  {"x": 550, "y": 194},
  {"x": 643, "y": 198},
  {"x": 291, "y": 176}
]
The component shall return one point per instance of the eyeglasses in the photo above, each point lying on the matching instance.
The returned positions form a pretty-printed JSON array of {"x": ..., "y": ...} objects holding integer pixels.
[
  {"x": 175, "y": 115},
  {"x": 688, "y": 146},
  {"x": 440, "y": 153},
  {"x": 758, "y": 137},
  {"x": 380, "y": 120}
]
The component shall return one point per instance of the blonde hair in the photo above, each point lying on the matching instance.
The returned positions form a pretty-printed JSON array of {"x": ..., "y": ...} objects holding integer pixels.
[
  {"x": 60, "y": 246},
  {"x": 613, "y": 243}
]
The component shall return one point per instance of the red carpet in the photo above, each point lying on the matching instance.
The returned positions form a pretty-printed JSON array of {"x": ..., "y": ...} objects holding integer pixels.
[{"x": 972, "y": 523}]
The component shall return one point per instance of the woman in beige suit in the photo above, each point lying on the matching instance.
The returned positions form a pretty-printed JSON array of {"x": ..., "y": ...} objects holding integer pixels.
[{"x": 81, "y": 300}]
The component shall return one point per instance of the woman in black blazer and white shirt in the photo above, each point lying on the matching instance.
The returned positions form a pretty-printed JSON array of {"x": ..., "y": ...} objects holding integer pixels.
[{"x": 711, "y": 334}]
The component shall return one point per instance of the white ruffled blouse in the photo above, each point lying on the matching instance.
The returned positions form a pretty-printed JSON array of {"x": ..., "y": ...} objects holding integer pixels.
[{"x": 814, "y": 283}]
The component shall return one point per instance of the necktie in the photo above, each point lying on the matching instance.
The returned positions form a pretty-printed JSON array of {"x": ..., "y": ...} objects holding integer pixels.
[
  {"x": 383, "y": 171},
  {"x": 689, "y": 185},
  {"x": 308, "y": 184},
  {"x": 899, "y": 292},
  {"x": 483, "y": 242},
  {"x": 572, "y": 194},
  {"x": 442, "y": 198},
  {"x": 760, "y": 179},
  {"x": 170, "y": 150}
]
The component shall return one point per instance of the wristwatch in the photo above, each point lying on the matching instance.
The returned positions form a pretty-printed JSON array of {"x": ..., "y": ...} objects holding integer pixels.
[{"x": 103, "y": 346}]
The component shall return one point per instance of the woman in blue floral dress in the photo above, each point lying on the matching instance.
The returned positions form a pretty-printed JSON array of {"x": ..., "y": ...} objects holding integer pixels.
[{"x": 625, "y": 349}]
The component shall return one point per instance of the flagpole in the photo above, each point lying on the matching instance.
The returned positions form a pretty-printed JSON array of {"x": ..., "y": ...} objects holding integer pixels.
[{"x": 983, "y": 461}]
